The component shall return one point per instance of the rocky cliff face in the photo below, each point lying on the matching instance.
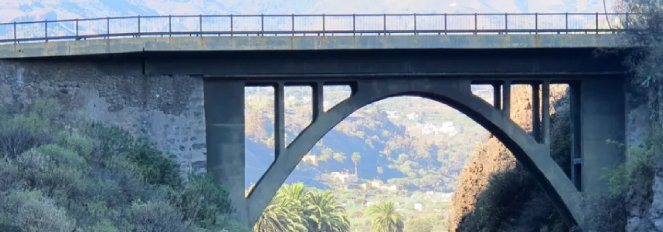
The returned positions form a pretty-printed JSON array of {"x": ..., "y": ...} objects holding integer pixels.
[
  {"x": 495, "y": 193},
  {"x": 644, "y": 202}
]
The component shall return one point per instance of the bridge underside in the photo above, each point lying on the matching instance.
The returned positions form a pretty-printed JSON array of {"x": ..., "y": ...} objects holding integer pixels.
[
  {"x": 444, "y": 75},
  {"x": 597, "y": 102}
]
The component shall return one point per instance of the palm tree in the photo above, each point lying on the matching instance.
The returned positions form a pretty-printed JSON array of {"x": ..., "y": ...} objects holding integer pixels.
[
  {"x": 324, "y": 214},
  {"x": 384, "y": 218},
  {"x": 285, "y": 211},
  {"x": 279, "y": 218},
  {"x": 355, "y": 159},
  {"x": 291, "y": 195}
]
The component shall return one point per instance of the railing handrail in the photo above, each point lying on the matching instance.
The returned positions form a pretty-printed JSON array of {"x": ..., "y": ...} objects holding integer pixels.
[{"x": 590, "y": 23}]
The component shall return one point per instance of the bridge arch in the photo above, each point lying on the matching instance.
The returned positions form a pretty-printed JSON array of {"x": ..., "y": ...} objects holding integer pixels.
[{"x": 534, "y": 156}]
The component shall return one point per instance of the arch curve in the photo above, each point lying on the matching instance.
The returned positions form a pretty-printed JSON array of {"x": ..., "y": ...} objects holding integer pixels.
[{"x": 534, "y": 156}]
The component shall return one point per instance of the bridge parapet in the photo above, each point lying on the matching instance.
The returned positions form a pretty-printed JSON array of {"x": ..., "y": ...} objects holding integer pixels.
[{"x": 313, "y": 25}]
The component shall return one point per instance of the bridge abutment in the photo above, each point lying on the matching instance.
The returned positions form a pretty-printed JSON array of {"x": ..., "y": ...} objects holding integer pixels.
[{"x": 602, "y": 135}]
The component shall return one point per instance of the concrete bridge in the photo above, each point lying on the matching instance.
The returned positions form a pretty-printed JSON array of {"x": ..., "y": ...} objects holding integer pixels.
[{"x": 440, "y": 65}]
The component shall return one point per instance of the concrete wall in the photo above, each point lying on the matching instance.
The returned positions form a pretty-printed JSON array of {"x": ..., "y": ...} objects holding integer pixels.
[{"x": 167, "y": 110}]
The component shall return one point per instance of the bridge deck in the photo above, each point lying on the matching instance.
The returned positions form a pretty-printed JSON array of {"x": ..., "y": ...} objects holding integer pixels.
[{"x": 280, "y": 43}]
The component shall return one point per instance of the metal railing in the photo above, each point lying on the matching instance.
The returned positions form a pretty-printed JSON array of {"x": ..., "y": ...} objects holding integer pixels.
[{"x": 312, "y": 25}]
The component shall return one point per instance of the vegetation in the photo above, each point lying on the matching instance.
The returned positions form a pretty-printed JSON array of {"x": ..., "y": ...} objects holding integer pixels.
[
  {"x": 632, "y": 183},
  {"x": 294, "y": 208},
  {"x": 385, "y": 218},
  {"x": 60, "y": 173}
]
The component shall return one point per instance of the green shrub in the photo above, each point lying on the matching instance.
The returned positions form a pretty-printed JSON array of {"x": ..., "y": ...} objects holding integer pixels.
[
  {"x": 93, "y": 177},
  {"x": 78, "y": 142},
  {"x": 101, "y": 226},
  {"x": 9, "y": 176},
  {"x": 154, "y": 166},
  {"x": 31, "y": 211},
  {"x": 640, "y": 167},
  {"x": 15, "y": 140},
  {"x": 155, "y": 216},
  {"x": 149, "y": 162},
  {"x": 62, "y": 157},
  {"x": 203, "y": 202}
]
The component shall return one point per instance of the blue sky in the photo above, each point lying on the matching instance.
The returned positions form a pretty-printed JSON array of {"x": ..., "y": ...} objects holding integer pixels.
[{"x": 22, "y": 10}]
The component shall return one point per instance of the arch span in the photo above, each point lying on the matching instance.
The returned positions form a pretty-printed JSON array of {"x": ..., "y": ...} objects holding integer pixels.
[{"x": 533, "y": 155}]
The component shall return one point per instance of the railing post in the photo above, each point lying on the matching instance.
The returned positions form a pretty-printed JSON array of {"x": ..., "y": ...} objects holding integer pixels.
[
  {"x": 200, "y": 24},
  {"x": 353, "y": 24},
  {"x": 138, "y": 27},
  {"x": 415, "y": 23},
  {"x": 536, "y": 23},
  {"x": 262, "y": 24},
  {"x": 445, "y": 23},
  {"x": 475, "y": 24},
  {"x": 566, "y": 22},
  {"x": 292, "y": 24},
  {"x": 597, "y": 22},
  {"x": 46, "y": 30},
  {"x": 323, "y": 24},
  {"x": 170, "y": 25},
  {"x": 76, "y": 29},
  {"x": 506, "y": 23},
  {"x": 15, "y": 39},
  {"x": 384, "y": 24},
  {"x": 107, "y": 27},
  {"x": 232, "y": 31}
]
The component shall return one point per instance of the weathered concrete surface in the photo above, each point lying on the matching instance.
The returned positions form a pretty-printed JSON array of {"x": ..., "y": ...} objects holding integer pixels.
[
  {"x": 224, "y": 119},
  {"x": 167, "y": 110},
  {"x": 602, "y": 129},
  {"x": 267, "y": 43}
]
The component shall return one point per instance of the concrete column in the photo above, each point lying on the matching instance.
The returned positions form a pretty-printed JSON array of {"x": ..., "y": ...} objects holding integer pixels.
[
  {"x": 602, "y": 120},
  {"x": 224, "y": 122},
  {"x": 506, "y": 99},
  {"x": 318, "y": 100},
  {"x": 545, "y": 111},
  {"x": 497, "y": 96},
  {"x": 536, "y": 110},
  {"x": 279, "y": 120},
  {"x": 576, "y": 152}
]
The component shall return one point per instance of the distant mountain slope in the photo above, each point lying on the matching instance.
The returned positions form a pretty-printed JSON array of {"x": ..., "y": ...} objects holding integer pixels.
[{"x": 408, "y": 142}]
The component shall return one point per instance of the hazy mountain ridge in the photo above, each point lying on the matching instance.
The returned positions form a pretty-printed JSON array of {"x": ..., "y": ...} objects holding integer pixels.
[{"x": 408, "y": 142}]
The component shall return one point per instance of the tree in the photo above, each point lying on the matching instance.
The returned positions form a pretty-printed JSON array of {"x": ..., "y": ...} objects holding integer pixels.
[
  {"x": 284, "y": 214},
  {"x": 646, "y": 62},
  {"x": 296, "y": 209},
  {"x": 355, "y": 160},
  {"x": 324, "y": 214},
  {"x": 279, "y": 218},
  {"x": 384, "y": 218}
]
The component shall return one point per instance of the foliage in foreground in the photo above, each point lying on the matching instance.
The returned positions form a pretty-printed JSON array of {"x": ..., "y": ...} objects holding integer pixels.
[
  {"x": 59, "y": 176},
  {"x": 294, "y": 208}
]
